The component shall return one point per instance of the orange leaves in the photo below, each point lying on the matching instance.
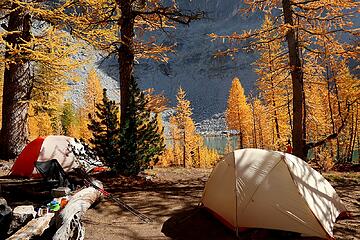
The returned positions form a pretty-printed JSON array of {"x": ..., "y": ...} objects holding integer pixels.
[
  {"x": 92, "y": 96},
  {"x": 187, "y": 146},
  {"x": 238, "y": 114},
  {"x": 155, "y": 102}
]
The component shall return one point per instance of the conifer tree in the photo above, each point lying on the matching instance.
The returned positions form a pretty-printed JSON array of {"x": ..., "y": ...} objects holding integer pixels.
[
  {"x": 274, "y": 82},
  {"x": 238, "y": 113},
  {"x": 141, "y": 141},
  {"x": 263, "y": 131},
  {"x": 69, "y": 120},
  {"x": 185, "y": 130},
  {"x": 93, "y": 95},
  {"x": 46, "y": 102},
  {"x": 177, "y": 149},
  {"x": 187, "y": 148},
  {"x": 105, "y": 130},
  {"x": 301, "y": 24},
  {"x": 22, "y": 47}
]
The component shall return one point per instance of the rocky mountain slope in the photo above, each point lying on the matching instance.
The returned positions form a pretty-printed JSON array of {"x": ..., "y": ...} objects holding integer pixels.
[{"x": 206, "y": 79}]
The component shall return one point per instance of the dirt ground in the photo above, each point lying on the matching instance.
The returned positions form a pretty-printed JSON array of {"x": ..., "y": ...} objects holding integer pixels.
[
  {"x": 170, "y": 199},
  {"x": 170, "y": 196}
]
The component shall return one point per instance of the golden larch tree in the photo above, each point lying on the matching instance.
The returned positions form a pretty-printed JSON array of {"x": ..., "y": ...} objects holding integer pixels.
[
  {"x": 185, "y": 129},
  {"x": 263, "y": 132},
  {"x": 92, "y": 95},
  {"x": 22, "y": 48},
  {"x": 301, "y": 24},
  {"x": 274, "y": 83},
  {"x": 238, "y": 114},
  {"x": 45, "y": 105}
]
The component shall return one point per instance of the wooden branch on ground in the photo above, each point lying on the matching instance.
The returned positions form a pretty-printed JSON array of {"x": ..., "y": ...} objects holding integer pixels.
[
  {"x": 35, "y": 227},
  {"x": 69, "y": 217}
]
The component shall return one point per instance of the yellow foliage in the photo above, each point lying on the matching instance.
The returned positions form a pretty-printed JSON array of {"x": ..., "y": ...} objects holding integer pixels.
[
  {"x": 187, "y": 146},
  {"x": 263, "y": 132},
  {"x": 183, "y": 130},
  {"x": 155, "y": 102},
  {"x": 274, "y": 86},
  {"x": 238, "y": 113},
  {"x": 40, "y": 124},
  {"x": 46, "y": 102},
  {"x": 324, "y": 156},
  {"x": 93, "y": 95},
  {"x": 167, "y": 159},
  {"x": 208, "y": 157}
]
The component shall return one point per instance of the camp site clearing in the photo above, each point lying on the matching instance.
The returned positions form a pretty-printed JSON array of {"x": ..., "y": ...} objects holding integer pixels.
[
  {"x": 170, "y": 199},
  {"x": 169, "y": 196}
]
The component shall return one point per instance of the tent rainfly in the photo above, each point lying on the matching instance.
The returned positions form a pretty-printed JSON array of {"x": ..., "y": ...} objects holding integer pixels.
[
  {"x": 44, "y": 149},
  {"x": 254, "y": 188}
]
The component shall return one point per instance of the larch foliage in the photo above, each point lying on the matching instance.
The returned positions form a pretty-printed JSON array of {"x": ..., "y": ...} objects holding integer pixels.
[
  {"x": 345, "y": 104},
  {"x": 92, "y": 96},
  {"x": 188, "y": 148},
  {"x": 46, "y": 102},
  {"x": 263, "y": 132},
  {"x": 274, "y": 83},
  {"x": 184, "y": 128},
  {"x": 176, "y": 156},
  {"x": 156, "y": 103},
  {"x": 238, "y": 114},
  {"x": 304, "y": 25},
  {"x": 27, "y": 38},
  {"x": 183, "y": 109}
]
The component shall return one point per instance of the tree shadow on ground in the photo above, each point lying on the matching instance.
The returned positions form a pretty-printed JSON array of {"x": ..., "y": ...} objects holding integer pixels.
[{"x": 199, "y": 224}]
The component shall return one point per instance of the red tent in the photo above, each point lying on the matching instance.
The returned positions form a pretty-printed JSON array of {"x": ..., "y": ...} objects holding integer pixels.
[{"x": 43, "y": 149}]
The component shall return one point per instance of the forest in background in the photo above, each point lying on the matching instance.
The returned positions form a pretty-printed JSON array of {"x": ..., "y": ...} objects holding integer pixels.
[{"x": 306, "y": 92}]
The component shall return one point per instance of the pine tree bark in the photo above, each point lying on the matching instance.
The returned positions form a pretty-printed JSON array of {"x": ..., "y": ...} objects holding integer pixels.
[
  {"x": 16, "y": 89},
  {"x": 125, "y": 56},
  {"x": 298, "y": 140}
]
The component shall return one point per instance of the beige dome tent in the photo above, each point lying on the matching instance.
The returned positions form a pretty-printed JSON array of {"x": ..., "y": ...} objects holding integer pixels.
[{"x": 267, "y": 189}]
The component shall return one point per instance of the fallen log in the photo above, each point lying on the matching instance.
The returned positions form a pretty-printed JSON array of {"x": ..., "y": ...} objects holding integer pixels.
[
  {"x": 35, "y": 227},
  {"x": 69, "y": 223}
]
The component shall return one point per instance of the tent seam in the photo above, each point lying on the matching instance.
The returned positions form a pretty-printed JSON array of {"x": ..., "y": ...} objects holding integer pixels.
[
  {"x": 297, "y": 188},
  {"x": 257, "y": 188}
]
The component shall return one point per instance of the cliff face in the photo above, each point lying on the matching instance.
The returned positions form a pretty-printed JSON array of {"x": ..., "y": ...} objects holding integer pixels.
[{"x": 206, "y": 79}]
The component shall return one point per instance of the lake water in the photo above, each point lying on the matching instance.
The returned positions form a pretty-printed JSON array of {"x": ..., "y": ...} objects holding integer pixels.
[{"x": 219, "y": 144}]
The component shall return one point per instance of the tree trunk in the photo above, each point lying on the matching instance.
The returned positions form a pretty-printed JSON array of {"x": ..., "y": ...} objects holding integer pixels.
[
  {"x": 125, "y": 56},
  {"x": 356, "y": 132},
  {"x": 298, "y": 140},
  {"x": 254, "y": 125},
  {"x": 17, "y": 88},
  {"x": 273, "y": 97}
]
